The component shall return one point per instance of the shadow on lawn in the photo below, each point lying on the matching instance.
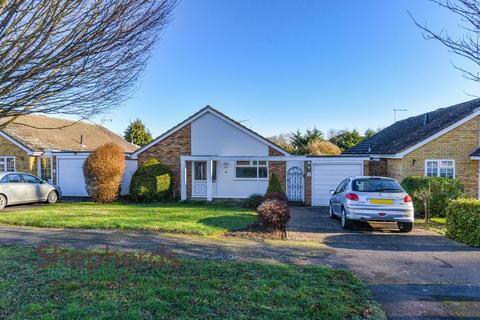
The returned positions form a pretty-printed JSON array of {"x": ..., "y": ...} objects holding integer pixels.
[{"x": 235, "y": 222}]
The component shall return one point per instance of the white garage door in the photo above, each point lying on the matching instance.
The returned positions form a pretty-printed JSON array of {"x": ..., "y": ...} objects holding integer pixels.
[
  {"x": 70, "y": 177},
  {"x": 326, "y": 177}
]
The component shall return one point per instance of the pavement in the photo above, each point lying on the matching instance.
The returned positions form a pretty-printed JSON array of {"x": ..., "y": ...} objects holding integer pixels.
[{"x": 416, "y": 275}]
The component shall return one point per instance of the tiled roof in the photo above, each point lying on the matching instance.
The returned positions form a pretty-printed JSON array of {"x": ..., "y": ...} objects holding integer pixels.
[
  {"x": 406, "y": 133},
  {"x": 40, "y": 133}
]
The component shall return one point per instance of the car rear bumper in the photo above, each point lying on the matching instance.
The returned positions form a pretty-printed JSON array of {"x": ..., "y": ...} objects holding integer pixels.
[{"x": 385, "y": 214}]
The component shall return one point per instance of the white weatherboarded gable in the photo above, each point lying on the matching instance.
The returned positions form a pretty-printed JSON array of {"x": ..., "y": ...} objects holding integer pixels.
[
  {"x": 212, "y": 135},
  {"x": 327, "y": 176}
]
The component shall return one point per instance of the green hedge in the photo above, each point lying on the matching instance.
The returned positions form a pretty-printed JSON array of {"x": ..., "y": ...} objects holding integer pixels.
[
  {"x": 151, "y": 182},
  {"x": 443, "y": 190},
  {"x": 463, "y": 221}
]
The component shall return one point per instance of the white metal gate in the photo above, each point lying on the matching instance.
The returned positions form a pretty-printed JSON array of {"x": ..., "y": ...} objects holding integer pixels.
[{"x": 295, "y": 184}]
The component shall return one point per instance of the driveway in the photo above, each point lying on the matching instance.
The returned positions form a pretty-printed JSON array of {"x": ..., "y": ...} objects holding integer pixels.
[{"x": 417, "y": 275}]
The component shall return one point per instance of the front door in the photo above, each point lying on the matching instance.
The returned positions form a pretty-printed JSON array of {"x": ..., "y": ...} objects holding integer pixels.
[{"x": 199, "y": 179}]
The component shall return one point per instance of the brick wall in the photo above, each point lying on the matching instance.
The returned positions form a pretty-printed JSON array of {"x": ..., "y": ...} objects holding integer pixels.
[
  {"x": 456, "y": 144},
  {"x": 376, "y": 168},
  {"x": 23, "y": 162},
  {"x": 278, "y": 167},
  {"x": 308, "y": 185},
  {"x": 168, "y": 152}
]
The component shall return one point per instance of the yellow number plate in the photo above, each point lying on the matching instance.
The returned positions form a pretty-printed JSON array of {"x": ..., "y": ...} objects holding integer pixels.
[{"x": 381, "y": 201}]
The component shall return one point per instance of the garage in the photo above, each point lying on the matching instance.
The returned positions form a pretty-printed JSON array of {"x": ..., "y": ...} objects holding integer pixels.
[
  {"x": 70, "y": 176},
  {"x": 326, "y": 176}
]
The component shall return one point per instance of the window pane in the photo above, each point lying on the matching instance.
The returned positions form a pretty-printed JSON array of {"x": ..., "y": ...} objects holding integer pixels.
[
  {"x": 200, "y": 170},
  {"x": 2, "y": 164},
  {"x": 446, "y": 172},
  {"x": 262, "y": 163},
  {"x": 262, "y": 172},
  {"x": 45, "y": 168},
  {"x": 10, "y": 164},
  {"x": 214, "y": 170},
  {"x": 254, "y": 163},
  {"x": 243, "y": 163},
  {"x": 246, "y": 172},
  {"x": 446, "y": 164}
]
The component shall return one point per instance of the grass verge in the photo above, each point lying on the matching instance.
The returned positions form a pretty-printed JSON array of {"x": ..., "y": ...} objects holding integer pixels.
[
  {"x": 203, "y": 219},
  {"x": 194, "y": 289}
]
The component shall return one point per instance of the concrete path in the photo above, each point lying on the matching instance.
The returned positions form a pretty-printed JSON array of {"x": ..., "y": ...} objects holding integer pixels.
[{"x": 417, "y": 275}]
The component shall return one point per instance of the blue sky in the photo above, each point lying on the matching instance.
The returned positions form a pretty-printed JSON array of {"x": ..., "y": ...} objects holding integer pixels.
[{"x": 288, "y": 65}]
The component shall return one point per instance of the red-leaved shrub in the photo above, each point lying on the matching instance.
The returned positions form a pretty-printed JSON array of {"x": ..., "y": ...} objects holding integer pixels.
[
  {"x": 273, "y": 214},
  {"x": 103, "y": 171}
]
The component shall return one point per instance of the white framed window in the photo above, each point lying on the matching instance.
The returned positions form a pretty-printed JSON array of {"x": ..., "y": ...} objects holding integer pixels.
[
  {"x": 440, "y": 168},
  {"x": 246, "y": 169},
  {"x": 7, "y": 163}
]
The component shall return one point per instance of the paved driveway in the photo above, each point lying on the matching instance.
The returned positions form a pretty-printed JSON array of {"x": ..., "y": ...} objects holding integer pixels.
[{"x": 417, "y": 275}]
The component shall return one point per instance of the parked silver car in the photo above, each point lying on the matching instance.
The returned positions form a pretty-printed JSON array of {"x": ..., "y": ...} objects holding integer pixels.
[
  {"x": 19, "y": 187},
  {"x": 372, "y": 199}
]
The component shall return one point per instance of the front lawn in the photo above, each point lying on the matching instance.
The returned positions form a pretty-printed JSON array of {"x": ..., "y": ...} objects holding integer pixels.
[
  {"x": 171, "y": 217},
  {"x": 193, "y": 289}
]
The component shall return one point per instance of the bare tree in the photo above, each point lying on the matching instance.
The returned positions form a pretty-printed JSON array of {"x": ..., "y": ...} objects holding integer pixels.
[
  {"x": 468, "y": 44},
  {"x": 74, "y": 57}
]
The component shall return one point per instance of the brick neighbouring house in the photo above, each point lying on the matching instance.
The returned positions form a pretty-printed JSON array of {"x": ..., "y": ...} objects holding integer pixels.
[
  {"x": 444, "y": 142},
  {"x": 215, "y": 157},
  {"x": 54, "y": 149}
]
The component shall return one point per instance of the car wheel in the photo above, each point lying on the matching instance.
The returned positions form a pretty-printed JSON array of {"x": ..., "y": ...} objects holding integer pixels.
[
  {"x": 52, "y": 197},
  {"x": 331, "y": 214},
  {"x": 405, "y": 226},
  {"x": 3, "y": 201},
  {"x": 346, "y": 223}
]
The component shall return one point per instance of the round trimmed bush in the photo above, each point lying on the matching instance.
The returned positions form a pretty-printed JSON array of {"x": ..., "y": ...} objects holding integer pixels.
[
  {"x": 103, "y": 172},
  {"x": 152, "y": 181},
  {"x": 273, "y": 214}
]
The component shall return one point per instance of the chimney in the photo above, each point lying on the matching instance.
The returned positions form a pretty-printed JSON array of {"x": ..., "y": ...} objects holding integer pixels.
[
  {"x": 426, "y": 118},
  {"x": 81, "y": 140}
]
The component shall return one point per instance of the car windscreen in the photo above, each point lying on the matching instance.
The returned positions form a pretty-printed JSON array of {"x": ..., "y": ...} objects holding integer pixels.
[{"x": 376, "y": 185}]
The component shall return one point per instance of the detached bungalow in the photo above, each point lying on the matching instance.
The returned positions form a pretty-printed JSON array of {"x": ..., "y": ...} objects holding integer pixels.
[
  {"x": 54, "y": 149},
  {"x": 213, "y": 157}
]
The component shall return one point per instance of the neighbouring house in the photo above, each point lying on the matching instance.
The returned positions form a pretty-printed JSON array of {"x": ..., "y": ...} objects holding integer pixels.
[
  {"x": 215, "y": 157},
  {"x": 441, "y": 143},
  {"x": 54, "y": 149}
]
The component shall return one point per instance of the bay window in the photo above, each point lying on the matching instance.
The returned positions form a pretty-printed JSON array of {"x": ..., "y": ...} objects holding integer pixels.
[
  {"x": 440, "y": 168},
  {"x": 246, "y": 169}
]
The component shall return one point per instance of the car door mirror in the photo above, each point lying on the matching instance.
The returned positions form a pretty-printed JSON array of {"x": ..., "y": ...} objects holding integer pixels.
[{"x": 332, "y": 192}]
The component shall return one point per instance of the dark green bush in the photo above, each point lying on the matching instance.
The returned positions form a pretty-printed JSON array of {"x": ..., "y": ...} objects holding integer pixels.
[
  {"x": 252, "y": 202},
  {"x": 151, "y": 182},
  {"x": 463, "y": 221},
  {"x": 280, "y": 196},
  {"x": 443, "y": 190},
  {"x": 274, "y": 184}
]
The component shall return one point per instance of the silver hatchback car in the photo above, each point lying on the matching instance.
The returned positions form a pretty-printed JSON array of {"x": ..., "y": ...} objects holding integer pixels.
[
  {"x": 19, "y": 187},
  {"x": 372, "y": 199}
]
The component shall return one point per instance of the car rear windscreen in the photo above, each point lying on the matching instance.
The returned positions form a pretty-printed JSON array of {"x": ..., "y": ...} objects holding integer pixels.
[{"x": 376, "y": 185}]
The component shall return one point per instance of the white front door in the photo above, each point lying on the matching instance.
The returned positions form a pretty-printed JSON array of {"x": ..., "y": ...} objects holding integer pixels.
[{"x": 199, "y": 179}]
